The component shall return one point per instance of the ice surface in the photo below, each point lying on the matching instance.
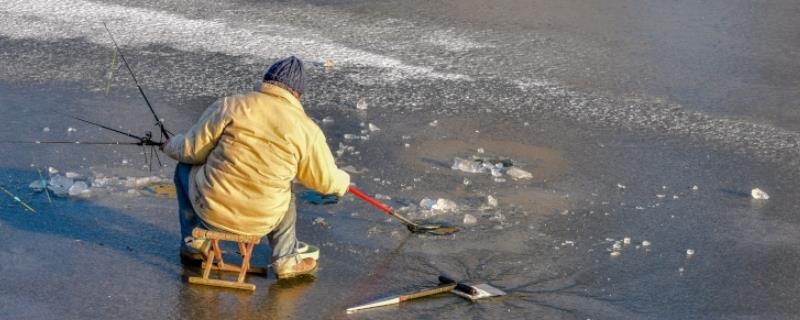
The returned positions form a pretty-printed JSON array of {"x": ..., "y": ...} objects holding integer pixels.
[
  {"x": 79, "y": 189},
  {"x": 60, "y": 185},
  {"x": 759, "y": 194},
  {"x": 361, "y": 104}
]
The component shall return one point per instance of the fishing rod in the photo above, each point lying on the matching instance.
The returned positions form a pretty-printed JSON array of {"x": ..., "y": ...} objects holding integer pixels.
[{"x": 164, "y": 132}]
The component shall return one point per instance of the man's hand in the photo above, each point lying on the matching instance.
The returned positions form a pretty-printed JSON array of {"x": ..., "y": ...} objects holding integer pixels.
[{"x": 163, "y": 144}]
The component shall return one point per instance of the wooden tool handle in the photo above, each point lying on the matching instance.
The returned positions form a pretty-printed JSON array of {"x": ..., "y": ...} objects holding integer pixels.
[
  {"x": 459, "y": 286},
  {"x": 370, "y": 200},
  {"x": 429, "y": 292}
]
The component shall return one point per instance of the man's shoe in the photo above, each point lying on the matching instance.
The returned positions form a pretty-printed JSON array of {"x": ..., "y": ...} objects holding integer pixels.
[
  {"x": 305, "y": 250},
  {"x": 190, "y": 256},
  {"x": 291, "y": 267}
]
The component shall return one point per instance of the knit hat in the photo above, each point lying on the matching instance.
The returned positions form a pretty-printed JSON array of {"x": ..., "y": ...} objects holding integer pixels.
[{"x": 288, "y": 71}]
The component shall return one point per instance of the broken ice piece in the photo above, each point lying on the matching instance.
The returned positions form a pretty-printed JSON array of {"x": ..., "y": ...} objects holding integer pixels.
[
  {"x": 518, "y": 173},
  {"x": 38, "y": 185},
  {"x": 327, "y": 119},
  {"x": 46, "y": 129},
  {"x": 406, "y": 145},
  {"x": 492, "y": 201},
  {"x": 694, "y": 188},
  {"x": 466, "y": 182},
  {"x": 617, "y": 246},
  {"x": 759, "y": 194},
  {"x": 321, "y": 221},
  {"x": 626, "y": 240},
  {"x": 615, "y": 253},
  {"x": 72, "y": 175},
  {"x": 52, "y": 170},
  {"x": 79, "y": 189},
  {"x": 470, "y": 219},
  {"x": 373, "y": 128},
  {"x": 621, "y": 186},
  {"x": 60, "y": 185},
  {"x": 71, "y": 129},
  {"x": 645, "y": 243},
  {"x": 361, "y": 104},
  {"x": 480, "y": 150},
  {"x": 438, "y": 205},
  {"x": 434, "y": 123},
  {"x": 689, "y": 252},
  {"x": 328, "y": 64}
]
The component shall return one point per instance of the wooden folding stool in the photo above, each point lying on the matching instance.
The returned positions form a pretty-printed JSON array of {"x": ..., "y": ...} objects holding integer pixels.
[{"x": 214, "y": 261}]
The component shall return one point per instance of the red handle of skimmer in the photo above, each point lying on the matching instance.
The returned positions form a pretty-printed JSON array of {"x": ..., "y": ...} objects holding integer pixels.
[{"x": 370, "y": 200}]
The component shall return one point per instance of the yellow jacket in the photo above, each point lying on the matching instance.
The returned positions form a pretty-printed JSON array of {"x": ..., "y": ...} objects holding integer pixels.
[{"x": 247, "y": 150}]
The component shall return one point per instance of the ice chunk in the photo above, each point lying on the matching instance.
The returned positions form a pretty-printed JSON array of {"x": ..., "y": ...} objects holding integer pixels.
[
  {"x": 38, "y": 185},
  {"x": 467, "y": 165},
  {"x": 466, "y": 181},
  {"x": 72, "y": 175},
  {"x": 328, "y": 64},
  {"x": 434, "y": 123},
  {"x": 492, "y": 201},
  {"x": 79, "y": 189},
  {"x": 615, "y": 253},
  {"x": 518, "y": 173},
  {"x": 480, "y": 150},
  {"x": 617, "y": 246},
  {"x": 124, "y": 161},
  {"x": 321, "y": 221},
  {"x": 361, "y": 104},
  {"x": 626, "y": 240},
  {"x": 645, "y": 243},
  {"x": 470, "y": 219},
  {"x": 759, "y": 194},
  {"x": 60, "y": 185},
  {"x": 621, "y": 186},
  {"x": 689, "y": 252},
  {"x": 427, "y": 203},
  {"x": 46, "y": 129},
  {"x": 497, "y": 172},
  {"x": 52, "y": 170},
  {"x": 104, "y": 181},
  {"x": 373, "y": 128},
  {"x": 327, "y": 119},
  {"x": 694, "y": 188},
  {"x": 406, "y": 145},
  {"x": 438, "y": 205},
  {"x": 71, "y": 129}
]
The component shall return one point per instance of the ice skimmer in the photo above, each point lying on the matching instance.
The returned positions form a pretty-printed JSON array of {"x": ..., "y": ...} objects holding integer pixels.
[
  {"x": 471, "y": 292},
  {"x": 414, "y": 227}
]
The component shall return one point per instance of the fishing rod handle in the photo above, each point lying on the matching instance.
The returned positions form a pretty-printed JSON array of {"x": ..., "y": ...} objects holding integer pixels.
[
  {"x": 370, "y": 200},
  {"x": 424, "y": 293},
  {"x": 459, "y": 286}
]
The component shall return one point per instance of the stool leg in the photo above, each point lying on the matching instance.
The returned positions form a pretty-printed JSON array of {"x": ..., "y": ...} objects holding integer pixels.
[
  {"x": 209, "y": 262},
  {"x": 246, "y": 254}
]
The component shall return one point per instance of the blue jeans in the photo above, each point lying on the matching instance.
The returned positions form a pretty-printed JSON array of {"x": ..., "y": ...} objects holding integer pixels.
[{"x": 282, "y": 239}]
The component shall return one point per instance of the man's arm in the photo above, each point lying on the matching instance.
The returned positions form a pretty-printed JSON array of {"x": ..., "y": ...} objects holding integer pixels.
[
  {"x": 197, "y": 143},
  {"x": 317, "y": 169}
]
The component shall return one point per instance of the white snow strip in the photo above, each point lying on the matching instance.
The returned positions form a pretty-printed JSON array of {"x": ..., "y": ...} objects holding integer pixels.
[{"x": 52, "y": 20}]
